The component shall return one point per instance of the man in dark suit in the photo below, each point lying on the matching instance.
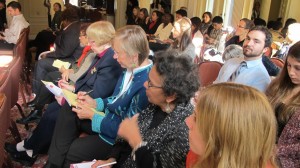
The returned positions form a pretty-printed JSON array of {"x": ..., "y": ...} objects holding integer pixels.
[{"x": 67, "y": 47}]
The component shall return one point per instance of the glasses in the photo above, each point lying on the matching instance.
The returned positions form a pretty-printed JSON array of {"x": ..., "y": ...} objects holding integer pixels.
[
  {"x": 239, "y": 26},
  {"x": 150, "y": 85}
]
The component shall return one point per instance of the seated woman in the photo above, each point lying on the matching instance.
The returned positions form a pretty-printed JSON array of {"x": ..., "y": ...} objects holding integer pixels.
[
  {"x": 101, "y": 77},
  {"x": 158, "y": 136},
  {"x": 131, "y": 51},
  {"x": 154, "y": 22},
  {"x": 197, "y": 37},
  {"x": 162, "y": 33},
  {"x": 284, "y": 95},
  {"x": 233, "y": 126}
]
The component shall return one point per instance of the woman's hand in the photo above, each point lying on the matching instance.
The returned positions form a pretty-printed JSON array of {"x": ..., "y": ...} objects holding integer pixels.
[
  {"x": 62, "y": 69},
  {"x": 168, "y": 41},
  {"x": 65, "y": 85},
  {"x": 129, "y": 130},
  {"x": 83, "y": 112},
  {"x": 86, "y": 100},
  {"x": 101, "y": 162}
]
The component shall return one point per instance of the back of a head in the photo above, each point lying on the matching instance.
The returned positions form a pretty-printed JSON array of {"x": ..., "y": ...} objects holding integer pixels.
[
  {"x": 277, "y": 25},
  {"x": 133, "y": 41},
  {"x": 289, "y": 21},
  {"x": 70, "y": 14},
  {"x": 293, "y": 30},
  {"x": 184, "y": 83},
  {"x": 217, "y": 19},
  {"x": 232, "y": 51},
  {"x": 196, "y": 21},
  {"x": 259, "y": 22},
  {"x": 102, "y": 32},
  {"x": 181, "y": 12},
  {"x": 14, "y": 5},
  {"x": 237, "y": 125}
]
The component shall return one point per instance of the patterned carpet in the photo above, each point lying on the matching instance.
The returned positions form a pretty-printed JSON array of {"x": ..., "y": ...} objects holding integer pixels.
[{"x": 42, "y": 159}]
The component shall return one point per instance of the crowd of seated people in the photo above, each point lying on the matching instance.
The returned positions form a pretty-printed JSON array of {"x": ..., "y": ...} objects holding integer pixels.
[{"x": 138, "y": 112}]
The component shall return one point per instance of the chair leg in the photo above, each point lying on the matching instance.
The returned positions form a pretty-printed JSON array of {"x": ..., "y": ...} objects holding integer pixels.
[
  {"x": 22, "y": 114},
  {"x": 14, "y": 131}
]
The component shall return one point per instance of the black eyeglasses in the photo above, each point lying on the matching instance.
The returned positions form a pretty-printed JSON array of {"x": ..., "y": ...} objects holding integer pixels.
[{"x": 150, "y": 85}]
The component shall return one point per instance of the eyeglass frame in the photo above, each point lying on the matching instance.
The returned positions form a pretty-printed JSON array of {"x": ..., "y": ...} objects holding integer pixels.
[{"x": 152, "y": 86}]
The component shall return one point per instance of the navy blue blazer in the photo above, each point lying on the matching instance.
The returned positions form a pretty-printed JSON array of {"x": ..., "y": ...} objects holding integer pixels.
[{"x": 101, "y": 76}]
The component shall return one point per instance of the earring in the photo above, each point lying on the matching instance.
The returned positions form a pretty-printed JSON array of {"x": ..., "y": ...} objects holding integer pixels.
[
  {"x": 168, "y": 108},
  {"x": 133, "y": 65}
]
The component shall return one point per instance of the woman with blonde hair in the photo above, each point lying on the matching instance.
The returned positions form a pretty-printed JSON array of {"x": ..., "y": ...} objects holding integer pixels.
[
  {"x": 182, "y": 34},
  {"x": 284, "y": 95},
  {"x": 233, "y": 126}
]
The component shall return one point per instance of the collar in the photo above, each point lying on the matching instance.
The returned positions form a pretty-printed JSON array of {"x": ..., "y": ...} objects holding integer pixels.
[
  {"x": 253, "y": 63},
  {"x": 139, "y": 69},
  {"x": 70, "y": 25},
  {"x": 100, "y": 55}
]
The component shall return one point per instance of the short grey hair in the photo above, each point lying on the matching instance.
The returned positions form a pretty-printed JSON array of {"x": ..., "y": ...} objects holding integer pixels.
[{"x": 232, "y": 51}]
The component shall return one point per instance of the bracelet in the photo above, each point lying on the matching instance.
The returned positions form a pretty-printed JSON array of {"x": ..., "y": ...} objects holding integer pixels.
[{"x": 142, "y": 144}]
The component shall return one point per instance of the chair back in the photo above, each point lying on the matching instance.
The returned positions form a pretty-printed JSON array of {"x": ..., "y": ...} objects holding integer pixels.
[
  {"x": 278, "y": 62},
  {"x": 208, "y": 72},
  {"x": 4, "y": 120}
]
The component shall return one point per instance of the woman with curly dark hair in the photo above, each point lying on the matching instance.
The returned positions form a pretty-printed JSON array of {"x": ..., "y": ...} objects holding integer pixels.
[{"x": 158, "y": 136}]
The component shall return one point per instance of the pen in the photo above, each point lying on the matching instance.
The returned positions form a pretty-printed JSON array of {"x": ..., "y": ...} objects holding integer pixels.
[
  {"x": 88, "y": 92},
  {"x": 85, "y": 94},
  {"x": 107, "y": 164}
]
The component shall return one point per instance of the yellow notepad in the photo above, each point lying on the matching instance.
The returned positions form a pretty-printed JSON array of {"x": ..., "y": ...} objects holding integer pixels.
[
  {"x": 71, "y": 98},
  {"x": 58, "y": 64}
]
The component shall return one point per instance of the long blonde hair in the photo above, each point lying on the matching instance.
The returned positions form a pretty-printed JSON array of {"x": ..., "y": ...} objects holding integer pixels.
[{"x": 238, "y": 127}]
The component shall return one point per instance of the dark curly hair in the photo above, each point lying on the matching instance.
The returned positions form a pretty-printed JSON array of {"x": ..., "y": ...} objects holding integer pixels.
[{"x": 179, "y": 74}]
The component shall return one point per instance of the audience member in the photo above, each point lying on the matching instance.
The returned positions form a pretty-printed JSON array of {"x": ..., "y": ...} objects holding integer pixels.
[
  {"x": 143, "y": 19},
  {"x": 288, "y": 22},
  {"x": 44, "y": 96},
  {"x": 10, "y": 36},
  {"x": 155, "y": 21},
  {"x": 212, "y": 40},
  {"x": 67, "y": 47},
  {"x": 197, "y": 37},
  {"x": 250, "y": 69},
  {"x": 101, "y": 77},
  {"x": 3, "y": 21},
  {"x": 293, "y": 36},
  {"x": 259, "y": 22},
  {"x": 222, "y": 128},
  {"x": 284, "y": 95},
  {"x": 276, "y": 31},
  {"x": 183, "y": 37},
  {"x": 131, "y": 51},
  {"x": 232, "y": 51},
  {"x": 131, "y": 4},
  {"x": 156, "y": 41},
  {"x": 133, "y": 19},
  {"x": 241, "y": 32},
  {"x": 158, "y": 137},
  {"x": 206, "y": 22},
  {"x": 180, "y": 14}
]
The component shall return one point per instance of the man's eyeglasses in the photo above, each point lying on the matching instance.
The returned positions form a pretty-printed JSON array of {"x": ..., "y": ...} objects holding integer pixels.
[
  {"x": 239, "y": 26},
  {"x": 150, "y": 85}
]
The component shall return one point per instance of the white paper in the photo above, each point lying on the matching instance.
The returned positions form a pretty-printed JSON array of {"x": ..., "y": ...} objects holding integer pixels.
[
  {"x": 53, "y": 88},
  {"x": 82, "y": 165}
]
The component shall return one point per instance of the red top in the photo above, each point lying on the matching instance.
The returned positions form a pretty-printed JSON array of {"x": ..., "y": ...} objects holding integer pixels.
[{"x": 83, "y": 55}]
